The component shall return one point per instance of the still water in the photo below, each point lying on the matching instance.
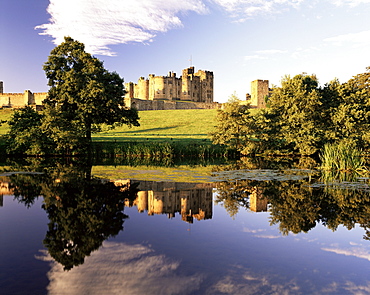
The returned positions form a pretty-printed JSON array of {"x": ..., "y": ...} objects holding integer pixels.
[{"x": 243, "y": 232}]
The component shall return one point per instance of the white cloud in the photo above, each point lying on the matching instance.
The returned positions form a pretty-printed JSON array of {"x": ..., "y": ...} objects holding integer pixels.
[
  {"x": 244, "y": 9},
  {"x": 253, "y": 231},
  {"x": 100, "y": 23},
  {"x": 354, "y": 251},
  {"x": 121, "y": 269},
  {"x": 351, "y": 3},
  {"x": 264, "y": 54},
  {"x": 352, "y": 38}
]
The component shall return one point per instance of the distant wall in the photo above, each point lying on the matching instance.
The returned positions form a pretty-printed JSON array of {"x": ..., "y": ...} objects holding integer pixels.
[
  {"x": 19, "y": 100},
  {"x": 147, "y": 105}
]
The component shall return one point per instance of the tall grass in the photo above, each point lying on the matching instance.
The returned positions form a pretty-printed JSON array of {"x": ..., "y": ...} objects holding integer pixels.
[
  {"x": 342, "y": 157},
  {"x": 156, "y": 150}
]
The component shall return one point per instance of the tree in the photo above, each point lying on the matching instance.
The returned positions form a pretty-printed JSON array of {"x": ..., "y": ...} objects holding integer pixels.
[
  {"x": 351, "y": 119},
  {"x": 83, "y": 211},
  {"x": 25, "y": 135},
  {"x": 82, "y": 96},
  {"x": 233, "y": 125},
  {"x": 296, "y": 107}
]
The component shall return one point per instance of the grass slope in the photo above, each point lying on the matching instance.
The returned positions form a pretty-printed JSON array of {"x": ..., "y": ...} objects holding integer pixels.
[
  {"x": 167, "y": 125},
  {"x": 5, "y": 115}
]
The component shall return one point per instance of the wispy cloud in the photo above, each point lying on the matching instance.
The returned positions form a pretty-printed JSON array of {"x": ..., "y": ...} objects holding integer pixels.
[
  {"x": 351, "y": 3},
  {"x": 352, "y": 38},
  {"x": 264, "y": 54},
  {"x": 244, "y": 9},
  {"x": 354, "y": 251},
  {"x": 100, "y": 23}
]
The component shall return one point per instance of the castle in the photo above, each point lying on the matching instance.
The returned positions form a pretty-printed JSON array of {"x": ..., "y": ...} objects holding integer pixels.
[
  {"x": 259, "y": 92},
  {"x": 19, "y": 100},
  {"x": 191, "y": 90}
]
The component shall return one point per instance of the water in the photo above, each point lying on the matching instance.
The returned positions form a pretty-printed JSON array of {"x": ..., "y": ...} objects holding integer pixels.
[{"x": 279, "y": 235}]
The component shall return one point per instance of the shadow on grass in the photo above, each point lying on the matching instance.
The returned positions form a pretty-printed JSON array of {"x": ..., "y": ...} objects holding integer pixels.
[
  {"x": 151, "y": 139},
  {"x": 146, "y": 130}
]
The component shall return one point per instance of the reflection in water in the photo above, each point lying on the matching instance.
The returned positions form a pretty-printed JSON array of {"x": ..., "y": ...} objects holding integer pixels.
[
  {"x": 82, "y": 211},
  {"x": 191, "y": 200},
  {"x": 120, "y": 268},
  {"x": 223, "y": 256},
  {"x": 299, "y": 205}
]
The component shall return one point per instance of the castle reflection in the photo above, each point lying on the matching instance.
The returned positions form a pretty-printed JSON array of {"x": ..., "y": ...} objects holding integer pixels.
[{"x": 190, "y": 200}]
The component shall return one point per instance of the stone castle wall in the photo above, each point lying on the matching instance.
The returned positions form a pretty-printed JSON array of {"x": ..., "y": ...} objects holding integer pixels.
[
  {"x": 19, "y": 100},
  {"x": 147, "y": 105},
  {"x": 191, "y": 86}
]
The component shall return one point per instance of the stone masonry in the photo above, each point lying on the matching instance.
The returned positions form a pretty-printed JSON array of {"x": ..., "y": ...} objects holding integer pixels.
[
  {"x": 259, "y": 91},
  {"x": 191, "y": 86},
  {"x": 19, "y": 100}
]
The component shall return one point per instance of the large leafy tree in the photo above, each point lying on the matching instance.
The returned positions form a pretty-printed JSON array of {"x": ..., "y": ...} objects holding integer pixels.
[
  {"x": 296, "y": 107},
  {"x": 24, "y": 135},
  {"x": 234, "y": 125},
  {"x": 82, "y": 96},
  {"x": 351, "y": 119}
]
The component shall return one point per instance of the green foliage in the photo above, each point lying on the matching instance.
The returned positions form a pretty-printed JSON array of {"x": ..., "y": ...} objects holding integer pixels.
[
  {"x": 156, "y": 150},
  {"x": 82, "y": 96},
  {"x": 296, "y": 111},
  {"x": 302, "y": 117},
  {"x": 25, "y": 135},
  {"x": 234, "y": 125},
  {"x": 82, "y": 211},
  {"x": 351, "y": 119},
  {"x": 342, "y": 157}
]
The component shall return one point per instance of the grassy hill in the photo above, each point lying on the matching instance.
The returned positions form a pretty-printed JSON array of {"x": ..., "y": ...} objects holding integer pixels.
[
  {"x": 168, "y": 125},
  {"x": 165, "y": 125},
  {"x": 4, "y": 115}
]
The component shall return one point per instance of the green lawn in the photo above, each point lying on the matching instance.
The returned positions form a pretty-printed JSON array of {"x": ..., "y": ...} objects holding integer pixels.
[
  {"x": 4, "y": 115},
  {"x": 177, "y": 125}
]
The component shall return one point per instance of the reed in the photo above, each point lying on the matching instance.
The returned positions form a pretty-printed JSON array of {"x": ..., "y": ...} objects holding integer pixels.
[
  {"x": 342, "y": 157},
  {"x": 156, "y": 150}
]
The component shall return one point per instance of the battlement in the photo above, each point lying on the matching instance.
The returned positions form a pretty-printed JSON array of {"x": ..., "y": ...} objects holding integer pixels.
[
  {"x": 19, "y": 100},
  {"x": 191, "y": 86}
]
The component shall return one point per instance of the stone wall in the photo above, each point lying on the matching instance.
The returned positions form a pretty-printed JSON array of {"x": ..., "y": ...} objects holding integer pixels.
[
  {"x": 259, "y": 91},
  {"x": 148, "y": 105},
  {"x": 19, "y": 100},
  {"x": 191, "y": 86}
]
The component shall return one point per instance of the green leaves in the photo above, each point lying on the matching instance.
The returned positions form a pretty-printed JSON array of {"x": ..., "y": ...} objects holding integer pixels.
[
  {"x": 301, "y": 117},
  {"x": 83, "y": 94},
  {"x": 233, "y": 125}
]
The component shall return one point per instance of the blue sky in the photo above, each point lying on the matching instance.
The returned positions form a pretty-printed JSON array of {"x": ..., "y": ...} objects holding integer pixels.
[{"x": 239, "y": 40}]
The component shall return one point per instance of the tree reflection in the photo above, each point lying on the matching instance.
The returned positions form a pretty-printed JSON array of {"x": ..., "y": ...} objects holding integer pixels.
[
  {"x": 299, "y": 205},
  {"x": 83, "y": 211}
]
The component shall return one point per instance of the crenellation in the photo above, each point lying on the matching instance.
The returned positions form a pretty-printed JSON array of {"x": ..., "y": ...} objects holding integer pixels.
[
  {"x": 191, "y": 86},
  {"x": 19, "y": 100}
]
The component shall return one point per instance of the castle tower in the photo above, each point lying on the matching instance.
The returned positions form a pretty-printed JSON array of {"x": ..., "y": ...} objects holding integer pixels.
[
  {"x": 187, "y": 77},
  {"x": 259, "y": 92}
]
